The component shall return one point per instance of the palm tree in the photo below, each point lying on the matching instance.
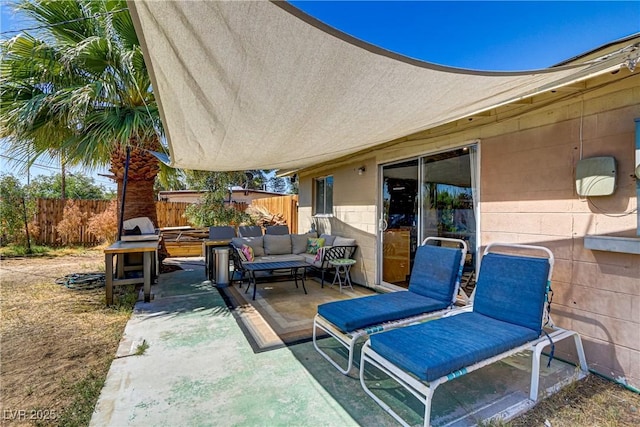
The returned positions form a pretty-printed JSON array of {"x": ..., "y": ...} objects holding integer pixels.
[{"x": 78, "y": 87}]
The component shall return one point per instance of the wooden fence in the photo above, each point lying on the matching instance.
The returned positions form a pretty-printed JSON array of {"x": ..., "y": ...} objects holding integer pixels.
[
  {"x": 50, "y": 212},
  {"x": 170, "y": 214},
  {"x": 287, "y": 206}
]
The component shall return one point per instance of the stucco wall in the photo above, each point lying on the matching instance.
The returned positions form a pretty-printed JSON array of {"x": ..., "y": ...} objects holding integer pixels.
[
  {"x": 528, "y": 196},
  {"x": 354, "y": 212}
]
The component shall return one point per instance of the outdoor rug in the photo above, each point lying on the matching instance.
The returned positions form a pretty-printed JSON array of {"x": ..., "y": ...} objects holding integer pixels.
[{"x": 281, "y": 313}]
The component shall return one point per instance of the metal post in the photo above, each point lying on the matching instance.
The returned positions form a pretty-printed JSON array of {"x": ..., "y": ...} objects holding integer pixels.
[{"x": 124, "y": 192}]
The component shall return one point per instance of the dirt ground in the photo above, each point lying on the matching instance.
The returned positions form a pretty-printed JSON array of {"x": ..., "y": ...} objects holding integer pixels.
[
  {"x": 56, "y": 346},
  {"x": 56, "y": 343}
]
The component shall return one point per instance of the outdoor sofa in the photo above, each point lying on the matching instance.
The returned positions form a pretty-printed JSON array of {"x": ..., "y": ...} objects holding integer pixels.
[{"x": 315, "y": 250}]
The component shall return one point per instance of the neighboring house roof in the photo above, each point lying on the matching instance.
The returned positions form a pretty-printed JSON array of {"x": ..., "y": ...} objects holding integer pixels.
[
  {"x": 261, "y": 85},
  {"x": 166, "y": 193}
]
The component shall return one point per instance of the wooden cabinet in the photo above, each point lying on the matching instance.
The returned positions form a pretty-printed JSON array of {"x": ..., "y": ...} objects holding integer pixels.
[{"x": 396, "y": 261}]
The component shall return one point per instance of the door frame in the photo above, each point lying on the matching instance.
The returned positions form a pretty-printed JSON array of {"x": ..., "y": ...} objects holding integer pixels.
[{"x": 380, "y": 208}]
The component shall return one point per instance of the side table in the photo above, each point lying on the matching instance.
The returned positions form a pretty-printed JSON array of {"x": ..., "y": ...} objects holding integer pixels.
[{"x": 342, "y": 266}]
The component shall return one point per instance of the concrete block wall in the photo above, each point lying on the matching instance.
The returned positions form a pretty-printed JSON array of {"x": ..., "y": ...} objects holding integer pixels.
[
  {"x": 354, "y": 213},
  {"x": 527, "y": 186},
  {"x": 528, "y": 196}
]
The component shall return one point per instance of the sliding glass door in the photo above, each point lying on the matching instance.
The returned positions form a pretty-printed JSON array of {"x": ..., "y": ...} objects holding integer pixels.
[
  {"x": 447, "y": 196},
  {"x": 434, "y": 195},
  {"x": 399, "y": 221}
]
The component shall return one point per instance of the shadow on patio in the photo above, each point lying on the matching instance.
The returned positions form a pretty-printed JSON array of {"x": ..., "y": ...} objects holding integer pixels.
[{"x": 204, "y": 365}]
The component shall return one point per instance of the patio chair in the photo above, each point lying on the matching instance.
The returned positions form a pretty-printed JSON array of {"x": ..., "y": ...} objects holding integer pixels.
[
  {"x": 277, "y": 229},
  {"x": 221, "y": 232},
  {"x": 249, "y": 231},
  {"x": 434, "y": 283},
  {"x": 506, "y": 318}
]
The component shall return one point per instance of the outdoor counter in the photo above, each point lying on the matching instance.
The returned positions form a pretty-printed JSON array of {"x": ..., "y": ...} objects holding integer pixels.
[{"x": 121, "y": 249}]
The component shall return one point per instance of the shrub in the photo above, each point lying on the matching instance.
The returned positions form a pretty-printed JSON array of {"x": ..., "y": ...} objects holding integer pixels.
[
  {"x": 12, "y": 210},
  {"x": 105, "y": 225},
  {"x": 212, "y": 210},
  {"x": 34, "y": 231},
  {"x": 70, "y": 228}
]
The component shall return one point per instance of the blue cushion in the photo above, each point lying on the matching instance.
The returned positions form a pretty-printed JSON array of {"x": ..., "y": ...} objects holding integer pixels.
[
  {"x": 433, "y": 349},
  {"x": 435, "y": 272},
  {"x": 350, "y": 315},
  {"x": 512, "y": 289}
]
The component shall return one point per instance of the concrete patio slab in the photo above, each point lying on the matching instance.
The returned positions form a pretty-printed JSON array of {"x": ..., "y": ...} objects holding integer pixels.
[{"x": 200, "y": 370}]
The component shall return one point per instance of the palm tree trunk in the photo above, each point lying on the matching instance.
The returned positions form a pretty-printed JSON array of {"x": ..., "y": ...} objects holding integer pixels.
[
  {"x": 143, "y": 168},
  {"x": 139, "y": 200}
]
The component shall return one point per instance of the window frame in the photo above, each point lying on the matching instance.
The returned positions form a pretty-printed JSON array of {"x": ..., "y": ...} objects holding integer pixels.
[{"x": 321, "y": 184}]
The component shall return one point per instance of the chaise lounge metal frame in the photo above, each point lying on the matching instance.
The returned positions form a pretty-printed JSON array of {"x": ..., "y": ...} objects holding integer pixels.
[
  {"x": 334, "y": 317},
  {"x": 411, "y": 367}
]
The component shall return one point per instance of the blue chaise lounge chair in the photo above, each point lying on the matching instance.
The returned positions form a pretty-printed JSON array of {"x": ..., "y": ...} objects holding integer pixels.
[
  {"x": 433, "y": 286},
  {"x": 506, "y": 318}
]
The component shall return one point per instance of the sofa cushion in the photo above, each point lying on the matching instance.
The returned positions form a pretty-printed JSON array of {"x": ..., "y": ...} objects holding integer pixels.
[
  {"x": 255, "y": 242},
  {"x": 328, "y": 239},
  {"x": 343, "y": 241},
  {"x": 277, "y": 244},
  {"x": 356, "y": 313},
  {"x": 299, "y": 242},
  {"x": 311, "y": 260},
  {"x": 314, "y": 244}
]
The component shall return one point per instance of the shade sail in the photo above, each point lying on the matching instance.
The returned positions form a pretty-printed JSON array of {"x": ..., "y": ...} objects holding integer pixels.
[{"x": 260, "y": 85}]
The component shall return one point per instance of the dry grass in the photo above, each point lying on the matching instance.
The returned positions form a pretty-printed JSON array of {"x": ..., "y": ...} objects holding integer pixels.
[
  {"x": 56, "y": 344},
  {"x": 593, "y": 401}
]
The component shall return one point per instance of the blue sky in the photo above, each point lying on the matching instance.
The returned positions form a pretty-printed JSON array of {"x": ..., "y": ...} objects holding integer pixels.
[{"x": 496, "y": 35}]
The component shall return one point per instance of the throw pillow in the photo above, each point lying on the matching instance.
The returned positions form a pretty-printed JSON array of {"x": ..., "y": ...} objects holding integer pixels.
[
  {"x": 313, "y": 245},
  {"x": 248, "y": 252},
  {"x": 299, "y": 242},
  {"x": 241, "y": 255},
  {"x": 320, "y": 253}
]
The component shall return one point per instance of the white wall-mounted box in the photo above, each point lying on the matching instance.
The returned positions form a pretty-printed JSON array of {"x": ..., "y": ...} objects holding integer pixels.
[{"x": 596, "y": 176}]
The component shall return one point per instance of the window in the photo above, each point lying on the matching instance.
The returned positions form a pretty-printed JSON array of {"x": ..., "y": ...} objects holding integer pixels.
[{"x": 324, "y": 195}]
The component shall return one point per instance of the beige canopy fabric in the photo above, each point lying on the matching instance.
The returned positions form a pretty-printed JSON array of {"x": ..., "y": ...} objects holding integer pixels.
[{"x": 260, "y": 85}]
